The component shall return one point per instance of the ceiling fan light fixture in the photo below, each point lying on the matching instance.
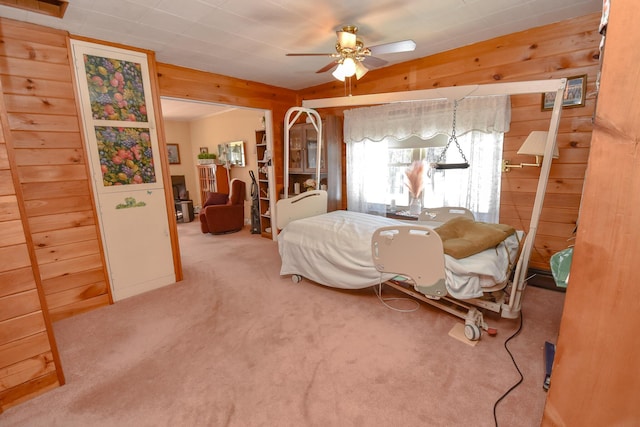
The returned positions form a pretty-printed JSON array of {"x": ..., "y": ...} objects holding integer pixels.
[
  {"x": 361, "y": 70},
  {"x": 347, "y": 37},
  {"x": 351, "y": 54},
  {"x": 348, "y": 67},
  {"x": 339, "y": 73}
]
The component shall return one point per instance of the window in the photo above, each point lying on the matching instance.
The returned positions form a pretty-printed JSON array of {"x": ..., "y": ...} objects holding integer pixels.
[
  {"x": 383, "y": 140},
  {"x": 400, "y": 159},
  {"x": 476, "y": 188}
]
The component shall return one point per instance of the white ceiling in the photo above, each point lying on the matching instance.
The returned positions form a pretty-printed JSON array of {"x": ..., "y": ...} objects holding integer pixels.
[
  {"x": 186, "y": 111},
  {"x": 248, "y": 39}
]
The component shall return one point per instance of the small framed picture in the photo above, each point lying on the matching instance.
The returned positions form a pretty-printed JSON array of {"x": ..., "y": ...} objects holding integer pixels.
[
  {"x": 204, "y": 150},
  {"x": 173, "y": 152},
  {"x": 574, "y": 94}
]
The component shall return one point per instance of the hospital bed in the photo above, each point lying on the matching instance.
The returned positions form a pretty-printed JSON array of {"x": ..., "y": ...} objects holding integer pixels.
[
  {"x": 410, "y": 240},
  {"x": 353, "y": 250}
]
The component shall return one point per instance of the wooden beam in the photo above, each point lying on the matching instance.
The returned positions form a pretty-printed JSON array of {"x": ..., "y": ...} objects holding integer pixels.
[
  {"x": 55, "y": 8},
  {"x": 453, "y": 92}
]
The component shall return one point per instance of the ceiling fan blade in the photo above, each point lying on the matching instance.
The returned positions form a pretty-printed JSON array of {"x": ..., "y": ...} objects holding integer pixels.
[
  {"x": 372, "y": 61},
  {"x": 310, "y": 54},
  {"x": 346, "y": 39},
  {"x": 327, "y": 67},
  {"x": 394, "y": 47}
]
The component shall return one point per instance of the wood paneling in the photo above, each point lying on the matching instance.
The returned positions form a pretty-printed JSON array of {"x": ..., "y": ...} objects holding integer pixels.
[
  {"x": 46, "y": 190},
  {"x": 43, "y": 123},
  {"x": 6, "y": 184},
  {"x": 46, "y": 70},
  {"x": 11, "y": 233},
  {"x": 65, "y": 236},
  {"x": 52, "y": 105},
  {"x": 70, "y": 281},
  {"x": 76, "y": 295},
  {"x": 596, "y": 380},
  {"x": 28, "y": 390},
  {"x": 54, "y": 8},
  {"x": 28, "y": 356},
  {"x": 17, "y": 304},
  {"x": 16, "y": 328},
  {"x": 61, "y": 221},
  {"x": 59, "y": 205},
  {"x": 15, "y": 256},
  {"x": 4, "y": 157},
  {"x": 16, "y": 280},
  {"x": 16, "y": 351},
  {"x": 62, "y": 156},
  {"x": 49, "y": 156},
  {"x": 564, "y": 49},
  {"x": 52, "y": 173},
  {"x": 35, "y": 367},
  {"x": 184, "y": 83},
  {"x": 78, "y": 307},
  {"x": 66, "y": 252},
  {"x": 40, "y": 88},
  {"x": 70, "y": 266},
  {"x": 47, "y": 218}
]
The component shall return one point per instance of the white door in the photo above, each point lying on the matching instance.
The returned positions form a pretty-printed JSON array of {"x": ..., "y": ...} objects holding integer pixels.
[{"x": 122, "y": 144}]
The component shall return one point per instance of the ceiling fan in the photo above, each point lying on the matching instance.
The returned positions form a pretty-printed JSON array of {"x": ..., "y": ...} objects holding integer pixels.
[{"x": 351, "y": 55}]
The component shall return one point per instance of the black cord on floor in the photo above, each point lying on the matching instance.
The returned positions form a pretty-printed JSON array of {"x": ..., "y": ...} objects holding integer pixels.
[{"x": 495, "y": 405}]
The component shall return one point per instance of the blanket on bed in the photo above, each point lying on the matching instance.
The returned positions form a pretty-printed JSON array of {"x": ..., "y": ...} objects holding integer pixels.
[{"x": 462, "y": 237}]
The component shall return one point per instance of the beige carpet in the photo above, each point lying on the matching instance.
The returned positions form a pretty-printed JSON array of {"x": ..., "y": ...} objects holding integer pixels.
[{"x": 235, "y": 344}]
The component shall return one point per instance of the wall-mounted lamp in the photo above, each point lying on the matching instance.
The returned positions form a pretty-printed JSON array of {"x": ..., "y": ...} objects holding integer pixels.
[{"x": 532, "y": 146}]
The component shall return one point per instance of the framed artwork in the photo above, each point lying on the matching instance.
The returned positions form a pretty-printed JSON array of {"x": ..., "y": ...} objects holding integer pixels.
[
  {"x": 125, "y": 155},
  {"x": 574, "y": 94},
  {"x": 116, "y": 89},
  {"x": 204, "y": 150},
  {"x": 173, "y": 152}
]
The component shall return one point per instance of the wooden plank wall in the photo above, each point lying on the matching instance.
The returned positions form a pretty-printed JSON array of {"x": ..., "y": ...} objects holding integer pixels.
[
  {"x": 50, "y": 162},
  {"x": 52, "y": 179},
  {"x": 563, "y": 49},
  {"x": 188, "y": 84},
  {"x": 65, "y": 268},
  {"x": 29, "y": 362},
  {"x": 596, "y": 379}
]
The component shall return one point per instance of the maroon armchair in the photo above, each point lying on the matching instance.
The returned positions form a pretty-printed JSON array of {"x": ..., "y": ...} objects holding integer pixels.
[{"x": 222, "y": 213}]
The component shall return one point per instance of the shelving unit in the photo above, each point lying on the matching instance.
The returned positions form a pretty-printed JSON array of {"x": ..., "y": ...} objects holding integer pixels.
[{"x": 264, "y": 169}]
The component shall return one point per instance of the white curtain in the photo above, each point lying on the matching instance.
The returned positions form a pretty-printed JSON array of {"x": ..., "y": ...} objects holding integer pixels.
[
  {"x": 480, "y": 124},
  {"x": 477, "y": 187}
]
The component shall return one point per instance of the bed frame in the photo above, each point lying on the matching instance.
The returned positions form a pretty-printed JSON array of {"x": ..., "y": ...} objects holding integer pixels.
[
  {"x": 315, "y": 201},
  {"x": 402, "y": 250}
]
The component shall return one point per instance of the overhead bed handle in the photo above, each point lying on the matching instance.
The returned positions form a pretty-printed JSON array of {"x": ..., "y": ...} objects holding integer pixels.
[{"x": 313, "y": 117}]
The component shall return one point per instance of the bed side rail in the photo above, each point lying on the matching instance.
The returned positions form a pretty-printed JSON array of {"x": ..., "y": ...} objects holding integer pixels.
[
  {"x": 444, "y": 214},
  {"x": 412, "y": 251}
]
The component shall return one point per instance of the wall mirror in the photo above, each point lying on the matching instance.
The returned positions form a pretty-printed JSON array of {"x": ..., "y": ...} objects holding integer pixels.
[{"x": 233, "y": 153}]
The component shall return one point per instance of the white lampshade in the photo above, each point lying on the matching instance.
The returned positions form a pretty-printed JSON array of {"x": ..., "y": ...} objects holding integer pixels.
[
  {"x": 349, "y": 67},
  {"x": 535, "y": 143},
  {"x": 339, "y": 73},
  {"x": 346, "y": 39},
  {"x": 361, "y": 70}
]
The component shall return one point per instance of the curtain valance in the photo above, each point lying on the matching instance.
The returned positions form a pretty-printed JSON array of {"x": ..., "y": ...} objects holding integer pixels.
[{"x": 425, "y": 119}]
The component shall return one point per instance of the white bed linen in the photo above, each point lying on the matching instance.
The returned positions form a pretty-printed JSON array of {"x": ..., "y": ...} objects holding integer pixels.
[{"x": 334, "y": 249}]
